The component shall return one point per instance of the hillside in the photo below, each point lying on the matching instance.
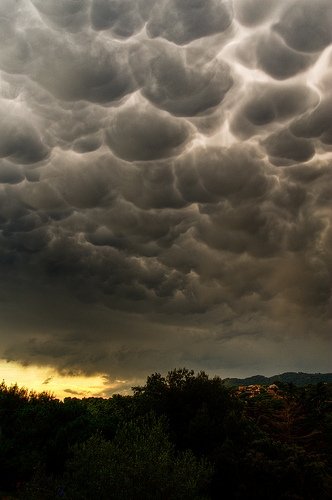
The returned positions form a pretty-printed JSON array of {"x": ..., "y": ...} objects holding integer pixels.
[{"x": 297, "y": 378}]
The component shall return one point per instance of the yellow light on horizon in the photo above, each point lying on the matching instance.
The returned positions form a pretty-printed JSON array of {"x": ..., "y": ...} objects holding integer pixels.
[{"x": 47, "y": 379}]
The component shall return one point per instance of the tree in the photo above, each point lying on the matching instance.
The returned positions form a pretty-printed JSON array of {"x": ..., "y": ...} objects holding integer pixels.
[{"x": 139, "y": 464}]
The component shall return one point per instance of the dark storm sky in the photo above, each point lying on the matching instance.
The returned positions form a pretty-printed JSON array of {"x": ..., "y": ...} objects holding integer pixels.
[{"x": 166, "y": 185}]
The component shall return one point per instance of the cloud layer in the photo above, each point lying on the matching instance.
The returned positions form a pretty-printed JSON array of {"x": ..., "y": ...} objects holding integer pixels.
[{"x": 165, "y": 184}]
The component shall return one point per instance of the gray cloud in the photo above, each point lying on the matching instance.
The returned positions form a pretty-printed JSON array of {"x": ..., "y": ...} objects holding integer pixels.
[
  {"x": 139, "y": 132},
  {"x": 19, "y": 141},
  {"x": 253, "y": 12},
  {"x": 165, "y": 173},
  {"x": 306, "y": 26},
  {"x": 284, "y": 148},
  {"x": 269, "y": 52},
  {"x": 183, "y": 82},
  {"x": 266, "y": 104},
  {"x": 10, "y": 173},
  {"x": 123, "y": 18},
  {"x": 316, "y": 124},
  {"x": 182, "y": 21},
  {"x": 215, "y": 174}
]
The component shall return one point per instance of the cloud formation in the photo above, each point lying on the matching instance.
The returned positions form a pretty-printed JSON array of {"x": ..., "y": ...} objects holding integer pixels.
[{"x": 165, "y": 173}]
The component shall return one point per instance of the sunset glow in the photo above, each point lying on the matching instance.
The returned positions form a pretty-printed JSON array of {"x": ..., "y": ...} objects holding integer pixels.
[{"x": 46, "y": 379}]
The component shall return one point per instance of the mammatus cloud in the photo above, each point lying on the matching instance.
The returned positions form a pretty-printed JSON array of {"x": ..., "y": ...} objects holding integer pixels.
[{"x": 165, "y": 185}]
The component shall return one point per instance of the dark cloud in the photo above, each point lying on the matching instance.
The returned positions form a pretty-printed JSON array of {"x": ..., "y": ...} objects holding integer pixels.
[
  {"x": 306, "y": 26},
  {"x": 183, "y": 82},
  {"x": 139, "y": 132},
  {"x": 10, "y": 173},
  {"x": 69, "y": 15},
  {"x": 253, "y": 12},
  {"x": 266, "y": 104},
  {"x": 213, "y": 174},
  {"x": 316, "y": 123},
  {"x": 165, "y": 185},
  {"x": 284, "y": 148},
  {"x": 182, "y": 21},
  {"x": 19, "y": 140},
  {"x": 151, "y": 186},
  {"x": 123, "y": 17},
  {"x": 269, "y": 52},
  {"x": 86, "y": 68},
  {"x": 279, "y": 61}
]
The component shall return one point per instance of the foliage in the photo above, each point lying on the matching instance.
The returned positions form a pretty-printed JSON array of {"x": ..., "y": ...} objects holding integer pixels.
[
  {"x": 179, "y": 436},
  {"x": 296, "y": 378},
  {"x": 140, "y": 463}
]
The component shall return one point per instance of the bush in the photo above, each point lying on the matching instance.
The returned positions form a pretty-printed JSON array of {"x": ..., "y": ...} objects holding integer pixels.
[{"x": 139, "y": 464}]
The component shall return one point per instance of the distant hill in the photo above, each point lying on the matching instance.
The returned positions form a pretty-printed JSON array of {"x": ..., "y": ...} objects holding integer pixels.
[{"x": 296, "y": 378}]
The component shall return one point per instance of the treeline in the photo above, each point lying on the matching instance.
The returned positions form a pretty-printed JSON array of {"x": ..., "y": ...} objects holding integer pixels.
[
  {"x": 182, "y": 436},
  {"x": 297, "y": 378}
]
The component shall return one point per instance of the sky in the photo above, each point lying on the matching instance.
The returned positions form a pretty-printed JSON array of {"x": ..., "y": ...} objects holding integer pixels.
[{"x": 165, "y": 190}]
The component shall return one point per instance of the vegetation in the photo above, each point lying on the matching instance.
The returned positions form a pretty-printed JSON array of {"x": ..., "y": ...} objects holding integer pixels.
[
  {"x": 182, "y": 436},
  {"x": 297, "y": 378}
]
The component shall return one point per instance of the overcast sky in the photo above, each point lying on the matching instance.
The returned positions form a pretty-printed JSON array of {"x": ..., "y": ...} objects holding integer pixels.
[{"x": 166, "y": 185}]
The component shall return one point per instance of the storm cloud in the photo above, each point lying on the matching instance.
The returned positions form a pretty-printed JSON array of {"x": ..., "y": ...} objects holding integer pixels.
[{"x": 165, "y": 185}]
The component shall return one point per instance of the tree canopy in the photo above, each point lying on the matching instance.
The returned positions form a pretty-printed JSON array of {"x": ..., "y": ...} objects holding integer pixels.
[{"x": 179, "y": 436}]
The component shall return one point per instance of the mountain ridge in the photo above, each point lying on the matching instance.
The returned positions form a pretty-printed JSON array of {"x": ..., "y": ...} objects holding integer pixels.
[{"x": 296, "y": 378}]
